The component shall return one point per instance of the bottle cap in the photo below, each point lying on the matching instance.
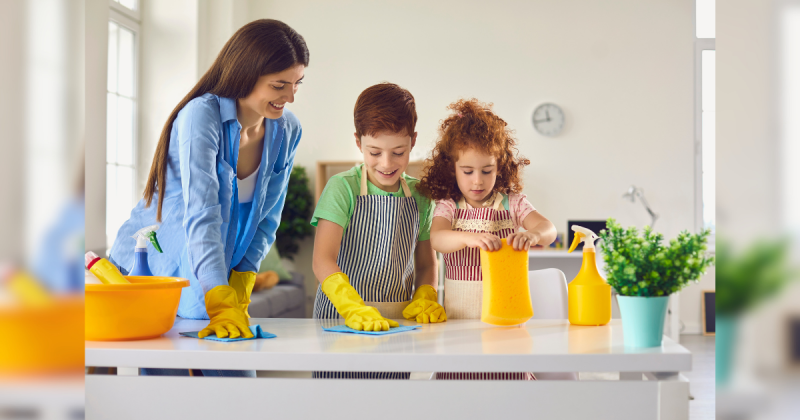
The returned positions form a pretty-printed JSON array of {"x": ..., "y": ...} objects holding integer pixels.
[{"x": 90, "y": 259}]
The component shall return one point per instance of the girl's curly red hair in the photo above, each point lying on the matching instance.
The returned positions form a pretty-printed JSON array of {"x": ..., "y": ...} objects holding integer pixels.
[{"x": 472, "y": 125}]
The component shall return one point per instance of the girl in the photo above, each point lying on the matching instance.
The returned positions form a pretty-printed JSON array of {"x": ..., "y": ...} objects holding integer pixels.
[
  {"x": 474, "y": 174},
  {"x": 219, "y": 176}
]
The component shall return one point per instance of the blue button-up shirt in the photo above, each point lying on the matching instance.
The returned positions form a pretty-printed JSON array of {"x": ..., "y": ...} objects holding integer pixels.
[{"x": 200, "y": 214}]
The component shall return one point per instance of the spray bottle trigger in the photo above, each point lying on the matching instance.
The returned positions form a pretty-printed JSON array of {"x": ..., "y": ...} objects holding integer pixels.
[{"x": 578, "y": 238}]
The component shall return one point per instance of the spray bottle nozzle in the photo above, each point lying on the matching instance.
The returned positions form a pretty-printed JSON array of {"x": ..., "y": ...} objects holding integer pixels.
[
  {"x": 578, "y": 238},
  {"x": 585, "y": 235},
  {"x": 145, "y": 234}
]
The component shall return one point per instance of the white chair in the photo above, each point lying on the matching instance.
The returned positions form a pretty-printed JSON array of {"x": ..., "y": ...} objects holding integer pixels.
[
  {"x": 550, "y": 301},
  {"x": 548, "y": 294}
]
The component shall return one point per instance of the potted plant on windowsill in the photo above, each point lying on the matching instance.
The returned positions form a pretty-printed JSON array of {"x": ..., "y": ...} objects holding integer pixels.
[{"x": 644, "y": 272}]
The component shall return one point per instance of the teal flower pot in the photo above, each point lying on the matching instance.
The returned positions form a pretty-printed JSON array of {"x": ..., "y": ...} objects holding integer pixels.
[
  {"x": 725, "y": 332},
  {"x": 643, "y": 319}
]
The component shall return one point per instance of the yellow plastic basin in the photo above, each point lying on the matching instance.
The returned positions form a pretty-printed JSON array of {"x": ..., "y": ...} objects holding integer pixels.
[
  {"x": 44, "y": 339},
  {"x": 146, "y": 308}
]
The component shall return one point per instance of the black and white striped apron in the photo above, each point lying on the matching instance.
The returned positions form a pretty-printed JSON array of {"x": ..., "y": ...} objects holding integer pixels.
[{"x": 377, "y": 254}]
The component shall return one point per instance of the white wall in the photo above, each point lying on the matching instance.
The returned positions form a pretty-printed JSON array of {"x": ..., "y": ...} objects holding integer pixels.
[
  {"x": 622, "y": 71},
  {"x": 219, "y": 19},
  {"x": 12, "y": 84},
  {"x": 750, "y": 119},
  {"x": 96, "y": 72},
  {"x": 168, "y": 70},
  {"x": 748, "y": 204}
]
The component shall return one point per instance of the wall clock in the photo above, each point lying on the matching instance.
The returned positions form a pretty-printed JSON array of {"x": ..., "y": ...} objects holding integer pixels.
[{"x": 548, "y": 119}]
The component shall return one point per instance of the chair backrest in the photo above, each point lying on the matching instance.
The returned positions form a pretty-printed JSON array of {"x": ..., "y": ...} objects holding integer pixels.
[{"x": 548, "y": 294}]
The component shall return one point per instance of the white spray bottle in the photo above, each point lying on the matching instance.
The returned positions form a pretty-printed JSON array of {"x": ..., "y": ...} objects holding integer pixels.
[{"x": 140, "y": 266}]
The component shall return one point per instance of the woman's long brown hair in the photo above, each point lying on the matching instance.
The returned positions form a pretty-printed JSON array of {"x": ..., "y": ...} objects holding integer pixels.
[{"x": 261, "y": 47}]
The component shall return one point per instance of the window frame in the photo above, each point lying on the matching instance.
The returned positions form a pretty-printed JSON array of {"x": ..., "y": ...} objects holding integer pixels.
[
  {"x": 128, "y": 19},
  {"x": 133, "y": 14},
  {"x": 700, "y": 45},
  {"x": 786, "y": 188}
]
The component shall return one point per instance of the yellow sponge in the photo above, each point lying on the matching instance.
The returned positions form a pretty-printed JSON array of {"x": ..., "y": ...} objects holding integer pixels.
[{"x": 506, "y": 293}]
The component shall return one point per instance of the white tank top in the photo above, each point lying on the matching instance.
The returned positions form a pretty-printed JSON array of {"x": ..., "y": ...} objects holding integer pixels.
[{"x": 247, "y": 186}]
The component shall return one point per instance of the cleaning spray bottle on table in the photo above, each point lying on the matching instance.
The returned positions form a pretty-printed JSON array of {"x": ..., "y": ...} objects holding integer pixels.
[
  {"x": 103, "y": 269},
  {"x": 140, "y": 266},
  {"x": 589, "y": 294}
]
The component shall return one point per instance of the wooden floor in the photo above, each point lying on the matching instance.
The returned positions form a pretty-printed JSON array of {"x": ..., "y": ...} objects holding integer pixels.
[{"x": 701, "y": 378}]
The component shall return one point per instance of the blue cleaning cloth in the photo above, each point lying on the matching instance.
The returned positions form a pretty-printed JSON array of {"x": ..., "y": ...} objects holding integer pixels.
[
  {"x": 348, "y": 330},
  {"x": 256, "y": 329}
]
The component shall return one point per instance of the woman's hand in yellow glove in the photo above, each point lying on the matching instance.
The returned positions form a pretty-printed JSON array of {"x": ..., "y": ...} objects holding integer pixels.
[
  {"x": 243, "y": 284},
  {"x": 228, "y": 319},
  {"x": 424, "y": 307}
]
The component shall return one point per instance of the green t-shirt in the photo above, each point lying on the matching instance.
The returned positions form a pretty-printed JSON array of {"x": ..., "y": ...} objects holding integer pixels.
[{"x": 338, "y": 200}]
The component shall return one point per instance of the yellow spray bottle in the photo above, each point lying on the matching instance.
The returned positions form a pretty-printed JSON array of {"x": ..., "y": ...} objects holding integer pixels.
[{"x": 589, "y": 294}]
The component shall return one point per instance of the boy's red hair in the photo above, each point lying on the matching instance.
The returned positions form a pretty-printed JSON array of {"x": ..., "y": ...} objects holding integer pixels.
[
  {"x": 473, "y": 125},
  {"x": 385, "y": 107}
]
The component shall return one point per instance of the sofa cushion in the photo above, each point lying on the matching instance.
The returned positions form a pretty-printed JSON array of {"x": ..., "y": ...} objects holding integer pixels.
[
  {"x": 296, "y": 279},
  {"x": 272, "y": 262},
  {"x": 271, "y": 303}
]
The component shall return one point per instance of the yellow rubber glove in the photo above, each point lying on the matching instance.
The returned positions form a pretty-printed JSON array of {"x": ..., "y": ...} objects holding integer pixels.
[
  {"x": 227, "y": 316},
  {"x": 424, "y": 307},
  {"x": 357, "y": 315},
  {"x": 243, "y": 284}
]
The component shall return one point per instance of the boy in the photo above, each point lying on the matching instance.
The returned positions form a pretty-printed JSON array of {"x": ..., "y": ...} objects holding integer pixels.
[{"x": 373, "y": 226}]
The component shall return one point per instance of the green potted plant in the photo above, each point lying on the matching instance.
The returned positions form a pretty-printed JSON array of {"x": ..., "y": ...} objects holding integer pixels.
[
  {"x": 644, "y": 272},
  {"x": 744, "y": 280},
  {"x": 296, "y": 216}
]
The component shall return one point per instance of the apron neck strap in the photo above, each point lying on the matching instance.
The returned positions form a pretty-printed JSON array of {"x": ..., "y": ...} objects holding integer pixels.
[
  {"x": 496, "y": 205},
  {"x": 498, "y": 201},
  {"x": 403, "y": 183},
  {"x": 363, "y": 179}
]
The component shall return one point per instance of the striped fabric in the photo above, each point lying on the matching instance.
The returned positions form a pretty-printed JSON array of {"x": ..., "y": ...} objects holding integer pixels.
[
  {"x": 485, "y": 376},
  {"x": 361, "y": 375},
  {"x": 377, "y": 254},
  {"x": 377, "y": 251},
  {"x": 465, "y": 264}
]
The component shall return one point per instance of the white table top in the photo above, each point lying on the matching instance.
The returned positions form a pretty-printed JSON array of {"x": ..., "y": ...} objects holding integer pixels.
[
  {"x": 453, "y": 346},
  {"x": 555, "y": 253}
]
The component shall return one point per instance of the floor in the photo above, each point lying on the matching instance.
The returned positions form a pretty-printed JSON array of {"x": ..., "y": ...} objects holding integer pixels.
[{"x": 701, "y": 377}]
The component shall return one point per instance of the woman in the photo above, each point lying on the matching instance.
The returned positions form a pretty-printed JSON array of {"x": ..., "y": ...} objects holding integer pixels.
[{"x": 219, "y": 176}]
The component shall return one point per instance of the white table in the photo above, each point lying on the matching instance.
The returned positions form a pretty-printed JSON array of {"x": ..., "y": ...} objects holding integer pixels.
[{"x": 650, "y": 385}]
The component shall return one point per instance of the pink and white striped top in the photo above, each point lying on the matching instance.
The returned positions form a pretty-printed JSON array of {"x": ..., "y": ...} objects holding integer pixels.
[{"x": 518, "y": 205}]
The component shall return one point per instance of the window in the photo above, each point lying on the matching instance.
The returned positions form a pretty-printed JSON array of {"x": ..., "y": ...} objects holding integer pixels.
[
  {"x": 705, "y": 19},
  {"x": 121, "y": 116},
  {"x": 705, "y": 114},
  {"x": 127, "y": 7}
]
